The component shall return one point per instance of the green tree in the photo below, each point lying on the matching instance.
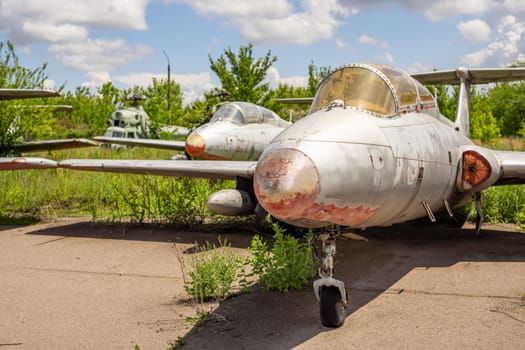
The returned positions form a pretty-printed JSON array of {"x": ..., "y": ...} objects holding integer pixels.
[
  {"x": 16, "y": 122},
  {"x": 483, "y": 125},
  {"x": 242, "y": 75},
  {"x": 447, "y": 100},
  {"x": 315, "y": 75},
  {"x": 200, "y": 111},
  {"x": 507, "y": 103},
  {"x": 156, "y": 103}
]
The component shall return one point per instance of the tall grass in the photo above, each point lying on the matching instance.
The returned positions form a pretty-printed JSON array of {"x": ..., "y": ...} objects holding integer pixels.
[{"x": 106, "y": 196}]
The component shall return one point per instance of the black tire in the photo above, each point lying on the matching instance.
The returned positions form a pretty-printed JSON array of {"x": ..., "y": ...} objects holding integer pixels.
[{"x": 331, "y": 308}]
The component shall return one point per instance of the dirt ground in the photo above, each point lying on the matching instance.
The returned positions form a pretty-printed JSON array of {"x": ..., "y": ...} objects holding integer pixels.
[{"x": 71, "y": 284}]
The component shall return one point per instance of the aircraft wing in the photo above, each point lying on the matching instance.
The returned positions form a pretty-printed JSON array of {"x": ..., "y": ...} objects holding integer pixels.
[
  {"x": 296, "y": 100},
  {"x": 191, "y": 168},
  {"x": 162, "y": 144},
  {"x": 11, "y": 94},
  {"x": 26, "y": 163},
  {"x": 474, "y": 75},
  {"x": 48, "y": 145},
  {"x": 512, "y": 166}
]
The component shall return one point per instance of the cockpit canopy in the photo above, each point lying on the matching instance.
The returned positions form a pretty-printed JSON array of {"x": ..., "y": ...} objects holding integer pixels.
[
  {"x": 382, "y": 90},
  {"x": 246, "y": 113}
]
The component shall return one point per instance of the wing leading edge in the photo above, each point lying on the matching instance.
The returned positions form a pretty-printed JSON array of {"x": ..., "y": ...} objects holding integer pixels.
[
  {"x": 20, "y": 163},
  {"x": 194, "y": 168},
  {"x": 161, "y": 144},
  {"x": 11, "y": 94},
  {"x": 473, "y": 75},
  {"x": 48, "y": 145}
]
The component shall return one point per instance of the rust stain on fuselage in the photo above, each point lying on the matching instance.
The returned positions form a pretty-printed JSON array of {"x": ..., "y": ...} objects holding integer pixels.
[
  {"x": 286, "y": 184},
  {"x": 304, "y": 206}
]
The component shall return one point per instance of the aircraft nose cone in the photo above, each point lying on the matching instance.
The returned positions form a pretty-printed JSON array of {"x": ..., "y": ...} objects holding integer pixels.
[
  {"x": 195, "y": 145},
  {"x": 286, "y": 184}
]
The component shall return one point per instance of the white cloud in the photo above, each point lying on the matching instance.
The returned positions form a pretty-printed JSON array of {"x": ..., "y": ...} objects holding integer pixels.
[
  {"x": 96, "y": 80},
  {"x": 21, "y": 19},
  {"x": 275, "y": 21},
  {"x": 475, "y": 30},
  {"x": 418, "y": 67},
  {"x": 98, "y": 54},
  {"x": 193, "y": 86},
  {"x": 367, "y": 40},
  {"x": 66, "y": 24},
  {"x": 439, "y": 10},
  {"x": 339, "y": 43},
  {"x": 504, "y": 49},
  {"x": 246, "y": 8},
  {"x": 385, "y": 56},
  {"x": 273, "y": 78},
  {"x": 47, "y": 32}
]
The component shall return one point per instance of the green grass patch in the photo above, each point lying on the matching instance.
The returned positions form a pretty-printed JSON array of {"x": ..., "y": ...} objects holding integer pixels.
[{"x": 106, "y": 196}]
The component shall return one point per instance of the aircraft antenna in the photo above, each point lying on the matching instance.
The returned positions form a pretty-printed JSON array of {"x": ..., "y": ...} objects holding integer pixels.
[{"x": 169, "y": 83}]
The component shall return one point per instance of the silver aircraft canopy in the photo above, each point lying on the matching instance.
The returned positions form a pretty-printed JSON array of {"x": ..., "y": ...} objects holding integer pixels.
[
  {"x": 381, "y": 90},
  {"x": 241, "y": 113}
]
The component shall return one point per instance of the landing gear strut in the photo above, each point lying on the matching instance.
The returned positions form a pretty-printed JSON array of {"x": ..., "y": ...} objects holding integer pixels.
[{"x": 330, "y": 292}]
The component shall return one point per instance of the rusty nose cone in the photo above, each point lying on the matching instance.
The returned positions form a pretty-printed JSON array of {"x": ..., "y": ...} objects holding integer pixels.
[
  {"x": 286, "y": 184},
  {"x": 195, "y": 145}
]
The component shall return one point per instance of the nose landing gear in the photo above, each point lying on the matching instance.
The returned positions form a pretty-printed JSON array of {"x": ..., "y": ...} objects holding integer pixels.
[{"x": 330, "y": 292}]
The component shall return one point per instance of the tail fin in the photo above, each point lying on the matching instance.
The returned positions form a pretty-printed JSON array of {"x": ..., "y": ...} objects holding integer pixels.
[{"x": 462, "y": 122}]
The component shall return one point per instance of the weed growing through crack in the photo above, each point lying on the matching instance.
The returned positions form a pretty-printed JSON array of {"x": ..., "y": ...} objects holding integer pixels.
[
  {"x": 289, "y": 264},
  {"x": 213, "y": 270}
]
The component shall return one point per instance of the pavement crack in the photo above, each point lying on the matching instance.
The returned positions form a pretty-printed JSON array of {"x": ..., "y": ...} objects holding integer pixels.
[
  {"x": 507, "y": 314},
  {"x": 121, "y": 274},
  {"x": 398, "y": 291},
  {"x": 51, "y": 241}
]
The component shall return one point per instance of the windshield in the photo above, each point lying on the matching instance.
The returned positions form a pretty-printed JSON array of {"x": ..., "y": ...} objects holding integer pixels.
[
  {"x": 228, "y": 112},
  {"x": 358, "y": 87}
]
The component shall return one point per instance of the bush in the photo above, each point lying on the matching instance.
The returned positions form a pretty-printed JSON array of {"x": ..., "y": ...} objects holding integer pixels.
[
  {"x": 289, "y": 264},
  {"x": 504, "y": 204},
  {"x": 214, "y": 271}
]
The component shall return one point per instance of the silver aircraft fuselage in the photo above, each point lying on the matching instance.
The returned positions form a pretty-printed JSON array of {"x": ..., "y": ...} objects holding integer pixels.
[
  {"x": 351, "y": 168},
  {"x": 237, "y": 131},
  {"x": 223, "y": 140},
  {"x": 354, "y": 164}
]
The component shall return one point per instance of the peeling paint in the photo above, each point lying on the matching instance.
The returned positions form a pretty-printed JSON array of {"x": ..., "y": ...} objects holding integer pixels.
[
  {"x": 195, "y": 145},
  {"x": 304, "y": 206},
  {"x": 286, "y": 185}
]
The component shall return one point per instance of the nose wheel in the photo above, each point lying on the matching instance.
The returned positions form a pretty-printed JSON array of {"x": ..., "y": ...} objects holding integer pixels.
[{"x": 330, "y": 292}]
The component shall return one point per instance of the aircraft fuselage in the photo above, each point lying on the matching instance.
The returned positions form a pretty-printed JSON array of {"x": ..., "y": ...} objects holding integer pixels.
[
  {"x": 349, "y": 167},
  {"x": 223, "y": 140}
]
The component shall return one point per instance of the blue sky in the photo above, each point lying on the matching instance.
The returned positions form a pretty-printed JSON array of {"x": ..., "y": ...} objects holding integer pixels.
[{"x": 91, "y": 42}]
